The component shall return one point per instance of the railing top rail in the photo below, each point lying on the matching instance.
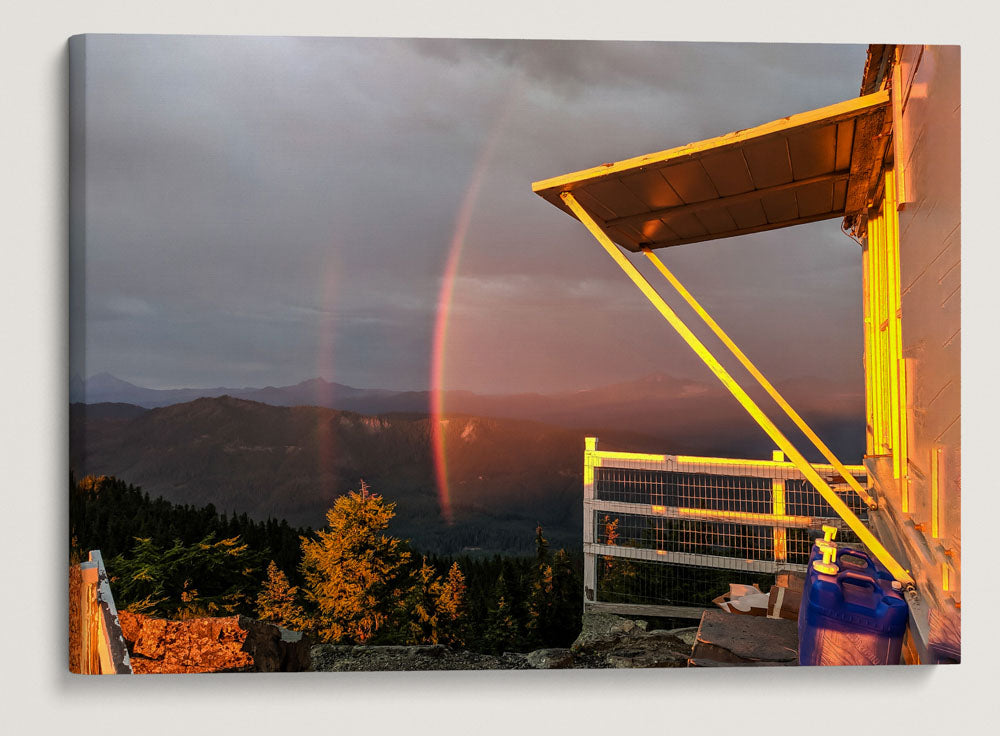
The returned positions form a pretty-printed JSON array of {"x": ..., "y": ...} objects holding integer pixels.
[{"x": 680, "y": 461}]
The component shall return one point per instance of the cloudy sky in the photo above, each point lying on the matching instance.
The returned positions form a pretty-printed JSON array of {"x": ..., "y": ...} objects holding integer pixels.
[{"x": 264, "y": 210}]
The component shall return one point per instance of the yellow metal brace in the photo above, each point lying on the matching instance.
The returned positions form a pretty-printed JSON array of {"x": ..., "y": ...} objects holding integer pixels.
[
  {"x": 771, "y": 390},
  {"x": 737, "y": 391}
]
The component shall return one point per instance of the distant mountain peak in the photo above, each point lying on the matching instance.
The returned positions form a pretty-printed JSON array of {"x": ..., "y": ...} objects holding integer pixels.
[
  {"x": 318, "y": 381},
  {"x": 106, "y": 379}
]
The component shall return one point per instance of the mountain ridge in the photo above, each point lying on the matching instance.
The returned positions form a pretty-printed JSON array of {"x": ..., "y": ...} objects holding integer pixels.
[{"x": 505, "y": 476}]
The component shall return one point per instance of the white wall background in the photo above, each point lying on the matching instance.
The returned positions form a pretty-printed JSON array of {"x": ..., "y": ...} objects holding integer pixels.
[{"x": 38, "y": 694}]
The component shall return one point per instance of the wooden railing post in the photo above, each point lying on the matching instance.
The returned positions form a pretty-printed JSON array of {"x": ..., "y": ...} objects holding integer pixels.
[
  {"x": 778, "y": 509},
  {"x": 89, "y": 636},
  {"x": 589, "y": 559}
]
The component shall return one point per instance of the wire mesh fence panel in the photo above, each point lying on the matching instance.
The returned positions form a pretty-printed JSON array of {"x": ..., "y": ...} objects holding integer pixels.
[
  {"x": 693, "y": 490},
  {"x": 718, "y": 539},
  {"x": 677, "y": 530},
  {"x": 802, "y": 499},
  {"x": 654, "y": 583}
]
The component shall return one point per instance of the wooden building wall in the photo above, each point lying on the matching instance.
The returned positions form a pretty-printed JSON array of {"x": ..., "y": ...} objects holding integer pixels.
[{"x": 930, "y": 291}]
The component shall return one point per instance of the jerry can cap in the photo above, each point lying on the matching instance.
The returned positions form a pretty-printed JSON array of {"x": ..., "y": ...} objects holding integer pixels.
[{"x": 827, "y": 566}]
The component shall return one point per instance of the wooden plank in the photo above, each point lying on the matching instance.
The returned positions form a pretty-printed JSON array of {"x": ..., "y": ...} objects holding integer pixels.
[
  {"x": 730, "y": 201},
  {"x": 719, "y": 465},
  {"x": 686, "y": 225},
  {"x": 709, "y": 515},
  {"x": 781, "y": 207},
  {"x": 898, "y": 155},
  {"x": 731, "y": 638},
  {"x": 813, "y": 152},
  {"x": 616, "y": 197},
  {"x": 768, "y": 161},
  {"x": 589, "y": 576},
  {"x": 821, "y": 116},
  {"x": 623, "y": 235},
  {"x": 845, "y": 141},
  {"x": 638, "y": 609},
  {"x": 729, "y": 172},
  {"x": 652, "y": 188},
  {"x": 657, "y": 231},
  {"x": 626, "y": 235},
  {"x": 690, "y": 180},
  {"x": 112, "y": 649},
  {"x": 596, "y": 207},
  {"x": 815, "y": 199},
  {"x": 717, "y": 220},
  {"x": 839, "y": 195},
  {"x": 739, "y": 564},
  {"x": 747, "y": 214}
]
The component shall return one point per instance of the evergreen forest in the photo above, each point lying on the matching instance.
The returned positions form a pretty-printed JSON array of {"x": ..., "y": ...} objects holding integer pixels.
[{"x": 348, "y": 582}]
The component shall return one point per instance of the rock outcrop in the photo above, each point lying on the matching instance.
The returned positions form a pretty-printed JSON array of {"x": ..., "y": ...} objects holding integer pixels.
[
  {"x": 240, "y": 644},
  {"x": 608, "y": 641},
  {"x": 351, "y": 658},
  {"x": 605, "y": 642},
  {"x": 229, "y": 644}
]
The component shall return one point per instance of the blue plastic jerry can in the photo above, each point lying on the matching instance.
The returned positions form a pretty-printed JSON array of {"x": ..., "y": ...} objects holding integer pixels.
[
  {"x": 845, "y": 557},
  {"x": 850, "y": 616}
]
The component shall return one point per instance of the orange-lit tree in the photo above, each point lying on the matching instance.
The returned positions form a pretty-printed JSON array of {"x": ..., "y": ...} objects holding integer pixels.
[
  {"x": 355, "y": 576},
  {"x": 278, "y": 601},
  {"x": 435, "y": 607},
  {"x": 361, "y": 585}
]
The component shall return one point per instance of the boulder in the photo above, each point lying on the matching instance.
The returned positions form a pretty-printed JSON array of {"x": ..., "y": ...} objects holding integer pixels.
[
  {"x": 600, "y": 628},
  {"x": 688, "y": 634},
  {"x": 609, "y": 641},
  {"x": 550, "y": 659}
]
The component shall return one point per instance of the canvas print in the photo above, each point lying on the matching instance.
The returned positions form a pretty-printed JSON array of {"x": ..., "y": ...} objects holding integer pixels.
[{"x": 412, "y": 354}]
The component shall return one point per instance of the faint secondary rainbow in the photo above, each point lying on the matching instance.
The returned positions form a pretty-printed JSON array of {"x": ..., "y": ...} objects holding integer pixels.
[
  {"x": 462, "y": 222},
  {"x": 326, "y": 368}
]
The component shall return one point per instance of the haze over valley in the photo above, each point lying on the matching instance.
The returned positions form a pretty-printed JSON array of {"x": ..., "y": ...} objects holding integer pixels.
[{"x": 513, "y": 461}]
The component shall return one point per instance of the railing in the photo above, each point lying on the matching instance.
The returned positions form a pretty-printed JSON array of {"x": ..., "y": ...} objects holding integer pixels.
[
  {"x": 665, "y": 534},
  {"x": 102, "y": 646}
]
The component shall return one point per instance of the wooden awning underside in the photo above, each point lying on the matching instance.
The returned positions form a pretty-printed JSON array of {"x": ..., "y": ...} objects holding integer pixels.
[{"x": 811, "y": 166}]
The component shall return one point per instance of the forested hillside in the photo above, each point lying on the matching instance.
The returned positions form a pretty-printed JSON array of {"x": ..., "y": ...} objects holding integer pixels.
[
  {"x": 178, "y": 561},
  {"x": 504, "y": 476}
]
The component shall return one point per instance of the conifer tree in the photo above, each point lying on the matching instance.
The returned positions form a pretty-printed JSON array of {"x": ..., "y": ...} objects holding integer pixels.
[
  {"x": 540, "y": 592},
  {"x": 278, "y": 601},
  {"x": 541, "y": 546},
  {"x": 354, "y": 573},
  {"x": 208, "y": 578},
  {"x": 501, "y": 622},
  {"x": 422, "y": 610},
  {"x": 565, "y": 611},
  {"x": 450, "y": 597}
]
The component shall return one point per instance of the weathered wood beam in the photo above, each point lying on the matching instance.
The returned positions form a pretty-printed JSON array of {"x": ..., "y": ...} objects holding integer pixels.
[
  {"x": 691, "y": 558},
  {"x": 870, "y": 139}
]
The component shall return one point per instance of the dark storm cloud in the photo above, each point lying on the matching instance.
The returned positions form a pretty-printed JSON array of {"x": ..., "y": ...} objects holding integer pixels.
[{"x": 261, "y": 210}]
